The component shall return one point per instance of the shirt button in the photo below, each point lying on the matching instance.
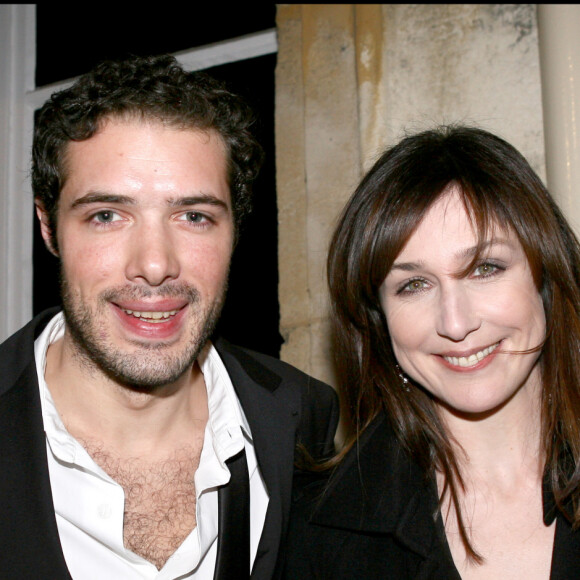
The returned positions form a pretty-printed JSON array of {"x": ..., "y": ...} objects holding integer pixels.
[{"x": 105, "y": 511}]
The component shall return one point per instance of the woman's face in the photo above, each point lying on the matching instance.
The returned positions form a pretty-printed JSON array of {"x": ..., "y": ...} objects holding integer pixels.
[{"x": 452, "y": 334}]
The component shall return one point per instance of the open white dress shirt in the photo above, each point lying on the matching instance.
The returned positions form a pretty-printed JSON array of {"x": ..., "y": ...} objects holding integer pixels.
[{"x": 89, "y": 505}]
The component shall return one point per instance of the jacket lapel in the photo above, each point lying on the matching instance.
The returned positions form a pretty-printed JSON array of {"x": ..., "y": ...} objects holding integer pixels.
[
  {"x": 273, "y": 412},
  {"x": 29, "y": 540}
]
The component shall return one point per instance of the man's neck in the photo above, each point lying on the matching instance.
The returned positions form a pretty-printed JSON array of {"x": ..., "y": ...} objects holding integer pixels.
[{"x": 93, "y": 407}]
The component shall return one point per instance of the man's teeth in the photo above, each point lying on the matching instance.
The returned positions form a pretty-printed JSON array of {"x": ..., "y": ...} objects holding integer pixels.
[
  {"x": 151, "y": 316},
  {"x": 469, "y": 361}
]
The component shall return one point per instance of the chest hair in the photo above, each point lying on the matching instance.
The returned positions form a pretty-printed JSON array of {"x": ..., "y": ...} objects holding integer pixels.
[{"x": 160, "y": 500}]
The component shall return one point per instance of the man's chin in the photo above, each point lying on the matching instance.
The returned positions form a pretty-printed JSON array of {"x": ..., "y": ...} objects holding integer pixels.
[
  {"x": 146, "y": 369},
  {"x": 149, "y": 385}
]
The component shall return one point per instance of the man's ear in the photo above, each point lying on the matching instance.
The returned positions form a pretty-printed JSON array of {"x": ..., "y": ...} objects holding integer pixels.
[{"x": 45, "y": 228}]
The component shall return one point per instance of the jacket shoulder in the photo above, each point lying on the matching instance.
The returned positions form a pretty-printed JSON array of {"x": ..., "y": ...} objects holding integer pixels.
[
  {"x": 17, "y": 351},
  {"x": 319, "y": 408},
  {"x": 372, "y": 517},
  {"x": 264, "y": 368}
]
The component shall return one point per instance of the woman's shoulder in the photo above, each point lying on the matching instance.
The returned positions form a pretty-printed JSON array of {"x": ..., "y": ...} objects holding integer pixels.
[
  {"x": 376, "y": 471},
  {"x": 370, "y": 517}
]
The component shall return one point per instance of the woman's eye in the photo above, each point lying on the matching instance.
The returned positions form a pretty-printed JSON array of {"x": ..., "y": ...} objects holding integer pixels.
[
  {"x": 411, "y": 286},
  {"x": 484, "y": 270}
]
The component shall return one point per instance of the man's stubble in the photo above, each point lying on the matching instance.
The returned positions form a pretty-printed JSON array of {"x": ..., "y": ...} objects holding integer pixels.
[{"x": 147, "y": 366}]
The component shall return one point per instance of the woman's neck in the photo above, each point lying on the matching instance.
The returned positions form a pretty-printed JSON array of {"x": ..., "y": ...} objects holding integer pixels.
[{"x": 501, "y": 445}]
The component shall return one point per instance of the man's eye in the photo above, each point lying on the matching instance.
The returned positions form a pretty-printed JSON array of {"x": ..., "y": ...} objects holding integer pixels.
[
  {"x": 195, "y": 217},
  {"x": 106, "y": 217}
]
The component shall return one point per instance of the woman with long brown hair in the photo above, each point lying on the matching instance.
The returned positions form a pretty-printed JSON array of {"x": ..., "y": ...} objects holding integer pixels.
[{"x": 455, "y": 287}]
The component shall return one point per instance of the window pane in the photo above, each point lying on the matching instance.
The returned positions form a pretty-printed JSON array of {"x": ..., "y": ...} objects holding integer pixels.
[{"x": 69, "y": 44}]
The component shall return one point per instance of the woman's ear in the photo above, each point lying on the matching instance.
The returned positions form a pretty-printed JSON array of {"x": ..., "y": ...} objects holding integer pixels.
[{"x": 45, "y": 229}]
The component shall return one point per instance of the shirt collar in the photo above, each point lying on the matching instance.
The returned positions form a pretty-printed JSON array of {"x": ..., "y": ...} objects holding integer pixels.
[
  {"x": 223, "y": 404},
  {"x": 60, "y": 441},
  {"x": 227, "y": 422}
]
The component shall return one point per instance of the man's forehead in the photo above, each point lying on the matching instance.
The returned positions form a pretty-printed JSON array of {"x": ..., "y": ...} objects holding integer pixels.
[
  {"x": 147, "y": 154},
  {"x": 114, "y": 132}
]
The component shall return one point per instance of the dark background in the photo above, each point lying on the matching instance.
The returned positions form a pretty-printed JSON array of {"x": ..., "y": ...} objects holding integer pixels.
[{"x": 68, "y": 45}]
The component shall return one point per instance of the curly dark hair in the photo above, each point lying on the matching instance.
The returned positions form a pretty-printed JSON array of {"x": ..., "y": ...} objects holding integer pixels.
[{"x": 150, "y": 88}]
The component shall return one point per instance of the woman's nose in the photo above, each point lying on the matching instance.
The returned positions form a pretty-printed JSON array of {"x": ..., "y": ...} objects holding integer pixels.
[{"x": 458, "y": 315}]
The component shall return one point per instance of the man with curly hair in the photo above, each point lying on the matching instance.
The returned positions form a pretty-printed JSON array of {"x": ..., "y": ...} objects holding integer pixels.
[{"x": 132, "y": 445}]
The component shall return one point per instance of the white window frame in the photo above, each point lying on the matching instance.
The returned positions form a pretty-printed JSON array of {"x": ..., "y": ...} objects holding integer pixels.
[{"x": 19, "y": 98}]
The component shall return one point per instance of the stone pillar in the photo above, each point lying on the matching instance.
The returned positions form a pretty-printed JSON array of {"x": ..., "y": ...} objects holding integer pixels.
[
  {"x": 559, "y": 28},
  {"x": 317, "y": 152}
]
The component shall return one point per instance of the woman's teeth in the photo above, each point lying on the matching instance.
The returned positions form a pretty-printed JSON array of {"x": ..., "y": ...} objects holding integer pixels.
[{"x": 469, "y": 361}]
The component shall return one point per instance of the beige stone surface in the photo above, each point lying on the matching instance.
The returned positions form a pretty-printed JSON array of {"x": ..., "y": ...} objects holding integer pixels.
[
  {"x": 291, "y": 178},
  {"x": 320, "y": 151},
  {"x": 351, "y": 80},
  {"x": 372, "y": 91},
  {"x": 468, "y": 63}
]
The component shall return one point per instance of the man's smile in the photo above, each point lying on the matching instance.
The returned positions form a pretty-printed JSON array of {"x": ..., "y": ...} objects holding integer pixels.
[{"x": 152, "y": 316}]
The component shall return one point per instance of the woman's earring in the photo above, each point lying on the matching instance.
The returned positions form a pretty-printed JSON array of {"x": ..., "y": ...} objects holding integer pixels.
[{"x": 404, "y": 380}]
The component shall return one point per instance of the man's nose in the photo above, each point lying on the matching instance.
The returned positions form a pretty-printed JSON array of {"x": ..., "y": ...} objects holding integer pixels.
[
  {"x": 152, "y": 256},
  {"x": 458, "y": 315}
]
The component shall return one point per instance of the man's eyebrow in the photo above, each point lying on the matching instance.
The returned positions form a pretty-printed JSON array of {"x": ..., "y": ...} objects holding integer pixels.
[
  {"x": 205, "y": 198},
  {"x": 96, "y": 197}
]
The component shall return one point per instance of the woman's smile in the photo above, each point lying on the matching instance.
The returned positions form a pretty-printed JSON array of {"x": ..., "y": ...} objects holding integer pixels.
[{"x": 471, "y": 361}]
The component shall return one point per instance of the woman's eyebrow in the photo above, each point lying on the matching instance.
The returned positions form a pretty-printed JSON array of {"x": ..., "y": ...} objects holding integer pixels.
[
  {"x": 460, "y": 254},
  {"x": 408, "y": 266},
  {"x": 486, "y": 245}
]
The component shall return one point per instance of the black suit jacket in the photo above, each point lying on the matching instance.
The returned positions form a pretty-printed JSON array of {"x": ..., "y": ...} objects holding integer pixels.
[
  {"x": 283, "y": 406},
  {"x": 374, "y": 520}
]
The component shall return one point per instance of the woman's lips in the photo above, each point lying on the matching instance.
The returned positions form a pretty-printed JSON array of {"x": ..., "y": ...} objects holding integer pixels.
[{"x": 474, "y": 360}]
